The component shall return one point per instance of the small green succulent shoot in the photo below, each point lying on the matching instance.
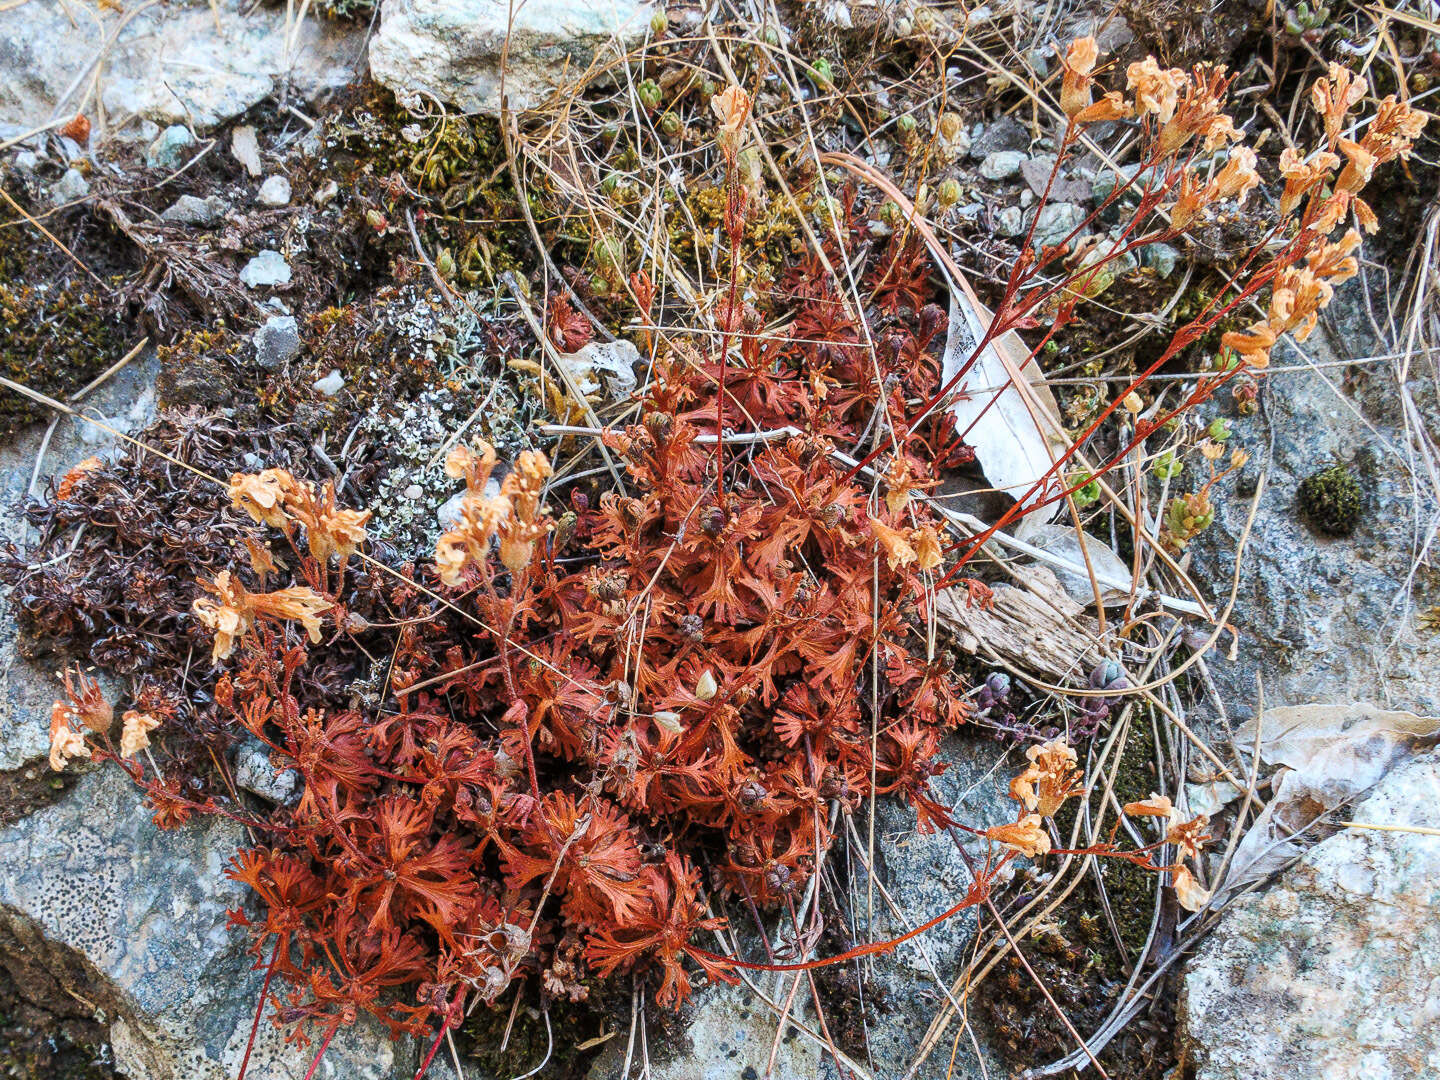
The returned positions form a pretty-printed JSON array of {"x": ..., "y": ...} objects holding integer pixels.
[
  {"x": 670, "y": 124},
  {"x": 828, "y": 210},
  {"x": 948, "y": 193},
  {"x": 1219, "y": 429},
  {"x": 906, "y": 126},
  {"x": 650, "y": 94},
  {"x": 1188, "y": 516},
  {"x": 821, "y": 73},
  {"x": 1167, "y": 466},
  {"x": 1088, "y": 491},
  {"x": 1301, "y": 19},
  {"x": 1226, "y": 360},
  {"x": 609, "y": 254},
  {"x": 659, "y": 22}
]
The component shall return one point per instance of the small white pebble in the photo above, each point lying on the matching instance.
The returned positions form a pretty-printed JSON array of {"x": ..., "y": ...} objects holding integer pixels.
[
  {"x": 331, "y": 384},
  {"x": 413, "y": 492},
  {"x": 275, "y": 191}
]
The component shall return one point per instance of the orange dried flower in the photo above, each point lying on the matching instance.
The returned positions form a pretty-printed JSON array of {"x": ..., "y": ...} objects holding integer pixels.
[
  {"x": 233, "y": 610},
  {"x": 1110, "y": 107},
  {"x": 1197, "y": 112},
  {"x": 1154, "y": 806},
  {"x": 1359, "y": 166},
  {"x": 1238, "y": 177},
  {"x": 66, "y": 487},
  {"x": 337, "y": 532},
  {"x": 85, "y": 703},
  {"x": 296, "y": 602},
  {"x": 1049, "y": 779},
  {"x": 1334, "y": 96},
  {"x": 1077, "y": 65},
  {"x": 135, "y": 734},
  {"x": 1187, "y": 890},
  {"x": 1157, "y": 89},
  {"x": 1189, "y": 836},
  {"x": 898, "y": 482},
  {"x": 1302, "y": 176},
  {"x": 895, "y": 544},
  {"x": 65, "y": 744},
  {"x": 1252, "y": 345},
  {"x": 1027, "y": 836},
  {"x": 262, "y": 495},
  {"x": 78, "y": 129},
  {"x": 732, "y": 108},
  {"x": 926, "y": 542}
]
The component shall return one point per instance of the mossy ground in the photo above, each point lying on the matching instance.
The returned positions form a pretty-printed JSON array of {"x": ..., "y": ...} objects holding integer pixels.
[{"x": 58, "y": 327}]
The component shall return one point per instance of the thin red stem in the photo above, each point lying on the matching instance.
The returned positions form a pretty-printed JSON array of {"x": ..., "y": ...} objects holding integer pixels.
[
  {"x": 260, "y": 1008},
  {"x": 310, "y": 1073}
]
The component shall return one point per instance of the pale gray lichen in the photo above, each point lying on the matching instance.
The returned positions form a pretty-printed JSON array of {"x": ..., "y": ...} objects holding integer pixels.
[{"x": 478, "y": 400}]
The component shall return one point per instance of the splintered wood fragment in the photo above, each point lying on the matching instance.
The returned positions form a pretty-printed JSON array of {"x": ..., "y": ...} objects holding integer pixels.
[{"x": 1035, "y": 626}]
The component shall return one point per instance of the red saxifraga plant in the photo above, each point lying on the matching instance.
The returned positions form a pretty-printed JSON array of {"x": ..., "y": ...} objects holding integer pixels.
[{"x": 572, "y": 751}]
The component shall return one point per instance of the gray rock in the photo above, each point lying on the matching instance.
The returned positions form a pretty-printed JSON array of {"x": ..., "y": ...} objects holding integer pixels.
[
  {"x": 1010, "y": 221},
  {"x": 90, "y": 885},
  {"x": 453, "y": 47},
  {"x": 168, "y": 149},
  {"x": 1004, "y": 134},
  {"x": 70, "y": 150},
  {"x": 1002, "y": 164},
  {"x": 192, "y": 210},
  {"x": 1057, "y": 221},
  {"x": 1042, "y": 180},
  {"x": 255, "y": 773},
  {"x": 26, "y": 162},
  {"x": 449, "y": 514},
  {"x": 72, "y": 187},
  {"x": 1106, "y": 181},
  {"x": 729, "y": 1037},
  {"x": 1331, "y": 971},
  {"x": 1162, "y": 258},
  {"x": 277, "y": 342},
  {"x": 267, "y": 268},
  {"x": 275, "y": 191},
  {"x": 167, "y": 64},
  {"x": 1324, "y": 618}
]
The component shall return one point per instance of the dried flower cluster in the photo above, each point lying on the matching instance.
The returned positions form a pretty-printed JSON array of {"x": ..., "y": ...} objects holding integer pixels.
[{"x": 1298, "y": 293}]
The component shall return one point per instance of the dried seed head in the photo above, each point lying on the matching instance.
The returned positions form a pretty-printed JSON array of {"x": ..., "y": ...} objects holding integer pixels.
[{"x": 712, "y": 521}]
